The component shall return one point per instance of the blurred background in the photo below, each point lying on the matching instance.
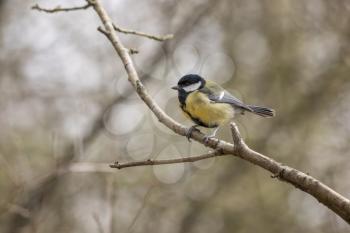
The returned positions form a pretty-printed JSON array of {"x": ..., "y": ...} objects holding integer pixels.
[{"x": 67, "y": 111}]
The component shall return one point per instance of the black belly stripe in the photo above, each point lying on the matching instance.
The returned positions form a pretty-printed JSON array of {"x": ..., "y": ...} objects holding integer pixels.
[{"x": 197, "y": 120}]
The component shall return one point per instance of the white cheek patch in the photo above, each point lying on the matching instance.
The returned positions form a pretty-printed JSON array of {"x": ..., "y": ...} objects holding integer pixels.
[{"x": 192, "y": 87}]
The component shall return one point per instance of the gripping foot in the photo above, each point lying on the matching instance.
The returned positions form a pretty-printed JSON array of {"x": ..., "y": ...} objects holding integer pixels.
[
  {"x": 207, "y": 138},
  {"x": 210, "y": 136},
  {"x": 190, "y": 131}
]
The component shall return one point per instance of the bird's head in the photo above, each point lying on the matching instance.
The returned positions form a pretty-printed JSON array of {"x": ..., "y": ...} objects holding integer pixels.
[{"x": 190, "y": 83}]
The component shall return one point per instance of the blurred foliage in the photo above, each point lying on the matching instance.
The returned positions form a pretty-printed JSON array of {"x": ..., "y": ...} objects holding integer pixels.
[{"x": 59, "y": 76}]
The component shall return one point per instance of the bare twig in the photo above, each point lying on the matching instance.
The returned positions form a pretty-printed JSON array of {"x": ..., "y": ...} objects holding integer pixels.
[
  {"x": 131, "y": 50},
  {"x": 100, "y": 29},
  {"x": 132, "y": 32},
  {"x": 150, "y": 162},
  {"x": 60, "y": 9},
  {"x": 149, "y": 36},
  {"x": 333, "y": 200}
]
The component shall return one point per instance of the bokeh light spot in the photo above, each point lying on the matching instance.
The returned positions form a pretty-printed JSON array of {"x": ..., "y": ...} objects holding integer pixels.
[{"x": 171, "y": 173}]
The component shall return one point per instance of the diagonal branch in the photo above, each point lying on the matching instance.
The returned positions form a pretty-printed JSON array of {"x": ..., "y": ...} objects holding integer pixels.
[
  {"x": 333, "y": 200},
  {"x": 150, "y": 162},
  {"x": 60, "y": 9},
  {"x": 324, "y": 194}
]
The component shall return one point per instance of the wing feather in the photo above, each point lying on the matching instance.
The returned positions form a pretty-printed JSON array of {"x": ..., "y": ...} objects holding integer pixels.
[{"x": 218, "y": 94}]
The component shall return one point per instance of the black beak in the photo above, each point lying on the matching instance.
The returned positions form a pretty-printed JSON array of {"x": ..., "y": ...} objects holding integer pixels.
[{"x": 175, "y": 88}]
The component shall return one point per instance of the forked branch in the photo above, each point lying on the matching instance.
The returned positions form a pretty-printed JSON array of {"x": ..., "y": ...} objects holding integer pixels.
[
  {"x": 117, "y": 28},
  {"x": 333, "y": 200}
]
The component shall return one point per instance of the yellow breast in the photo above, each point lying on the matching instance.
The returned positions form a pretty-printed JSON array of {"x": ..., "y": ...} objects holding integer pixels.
[{"x": 211, "y": 114}]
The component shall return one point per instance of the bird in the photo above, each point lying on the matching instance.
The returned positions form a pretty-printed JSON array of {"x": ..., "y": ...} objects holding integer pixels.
[{"x": 209, "y": 105}]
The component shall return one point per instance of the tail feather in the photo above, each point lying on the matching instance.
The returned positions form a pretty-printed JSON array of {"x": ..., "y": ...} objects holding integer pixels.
[{"x": 262, "y": 111}]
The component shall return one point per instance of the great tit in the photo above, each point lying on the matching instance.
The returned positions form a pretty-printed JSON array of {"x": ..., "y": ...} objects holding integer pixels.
[{"x": 209, "y": 105}]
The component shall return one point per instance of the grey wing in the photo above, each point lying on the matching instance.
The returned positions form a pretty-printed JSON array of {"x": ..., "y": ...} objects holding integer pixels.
[{"x": 225, "y": 97}]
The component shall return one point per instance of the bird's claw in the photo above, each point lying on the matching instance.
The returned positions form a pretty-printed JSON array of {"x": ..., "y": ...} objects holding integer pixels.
[
  {"x": 207, "y": 138},
  {"x": 190, "y": 131}
]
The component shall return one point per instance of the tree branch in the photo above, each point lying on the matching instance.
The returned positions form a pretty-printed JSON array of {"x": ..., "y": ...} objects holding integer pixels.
[
  {"x": 334, "y": 201},
  {"x": 150, "y": 162},
  {"x": 137, "y": 33},
  {"x": 59, "y": 8}
]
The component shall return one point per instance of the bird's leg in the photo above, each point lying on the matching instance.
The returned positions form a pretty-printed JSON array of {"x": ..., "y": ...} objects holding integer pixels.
[
  {"x": 190, "y": 131},
  {"x": 206, "y": 138}
]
